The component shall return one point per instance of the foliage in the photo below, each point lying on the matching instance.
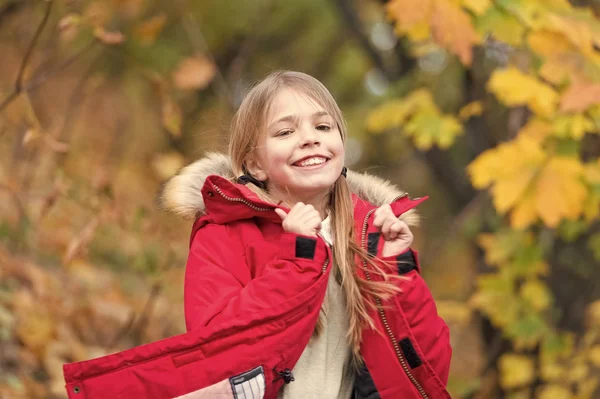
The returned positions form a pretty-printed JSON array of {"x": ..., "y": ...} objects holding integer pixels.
[{"x": 537, "y": 176}]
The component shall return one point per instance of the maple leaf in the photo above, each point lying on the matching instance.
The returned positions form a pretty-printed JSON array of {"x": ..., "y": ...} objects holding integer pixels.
[
  {"x": 572, "y": 126},
  {"x": 523, "y": 177},
  {"x": 579, "y": 97},
  {"x": 452, "y": 29},
  {"x": 547, "y": 42},
  {"x": 512, "y": 87},
  {"x": 503, "y": 26},
  {"x": 429, "y": 128}
]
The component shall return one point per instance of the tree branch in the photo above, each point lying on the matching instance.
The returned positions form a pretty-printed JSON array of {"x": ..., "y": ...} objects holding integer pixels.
[
  {"x": 32, "y": 44},
  {"x": 36, "y": 36}
]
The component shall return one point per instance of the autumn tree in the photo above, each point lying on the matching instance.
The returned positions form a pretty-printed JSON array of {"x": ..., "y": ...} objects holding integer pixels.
[{"x": 529, "y": 120}]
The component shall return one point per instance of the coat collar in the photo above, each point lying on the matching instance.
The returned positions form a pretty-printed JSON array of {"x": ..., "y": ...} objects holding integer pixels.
[{"x": 206, "y": 187}]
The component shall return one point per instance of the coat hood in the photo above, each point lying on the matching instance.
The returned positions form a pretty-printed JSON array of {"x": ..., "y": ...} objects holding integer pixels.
[{"x": 182, "y": 193}]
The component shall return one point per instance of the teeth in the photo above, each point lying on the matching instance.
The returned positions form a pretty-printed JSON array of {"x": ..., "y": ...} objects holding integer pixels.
[{"x": 312, "y": 161}]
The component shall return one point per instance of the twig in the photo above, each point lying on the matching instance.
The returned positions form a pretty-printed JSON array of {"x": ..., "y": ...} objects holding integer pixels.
[
  {"x": 19, "y": 80},
  {"x": 192, "y": 29},
  {"x": 34, "y": 41},
  {"x": 37, "y": 81}
]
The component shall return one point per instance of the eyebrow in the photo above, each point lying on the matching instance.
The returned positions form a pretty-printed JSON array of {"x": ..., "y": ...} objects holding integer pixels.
[{"x": 293, "y": 118}]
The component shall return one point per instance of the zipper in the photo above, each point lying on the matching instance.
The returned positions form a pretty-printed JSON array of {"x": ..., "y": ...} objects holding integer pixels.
[
  {"x": 259, "y": 209},
  {"x": 384, "y": 320},
  {"x": 243, "y": 201}
]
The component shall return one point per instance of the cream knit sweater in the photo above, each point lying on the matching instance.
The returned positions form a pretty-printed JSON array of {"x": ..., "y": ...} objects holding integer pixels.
[{"x": 323, "y": 371}]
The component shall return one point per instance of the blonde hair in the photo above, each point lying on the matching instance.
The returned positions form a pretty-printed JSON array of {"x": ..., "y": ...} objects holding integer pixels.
[{"x": 247, "y": 127}]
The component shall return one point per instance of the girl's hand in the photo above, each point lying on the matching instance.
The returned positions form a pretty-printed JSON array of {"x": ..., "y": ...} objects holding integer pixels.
[
  {"x": 396, "y": 233},
  {"x": 303, "y": 219}
]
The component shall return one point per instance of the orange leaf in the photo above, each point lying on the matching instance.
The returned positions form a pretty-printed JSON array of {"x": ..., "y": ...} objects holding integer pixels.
[
  {"x": 409, "y": 13},
  {"x": 106, "y": 37},
  {"x": 194, "y": 73},
  {"x": 452, "y": 29},
  {"x": 148, "y": 30},
  {"x": 580, "y": 97}
]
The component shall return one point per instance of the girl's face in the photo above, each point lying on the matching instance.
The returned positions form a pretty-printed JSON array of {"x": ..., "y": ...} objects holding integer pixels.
[{"x": 301, "y": 152}]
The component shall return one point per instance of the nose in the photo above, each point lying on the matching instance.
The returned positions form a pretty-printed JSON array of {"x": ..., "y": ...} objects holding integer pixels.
[{"x": 309, "y": 137}]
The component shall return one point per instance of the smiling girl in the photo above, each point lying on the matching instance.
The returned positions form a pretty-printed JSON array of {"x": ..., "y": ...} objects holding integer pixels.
[{"x": 300, "y": 281}]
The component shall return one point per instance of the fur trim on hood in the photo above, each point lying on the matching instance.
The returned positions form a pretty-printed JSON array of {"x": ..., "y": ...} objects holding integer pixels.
[{"x": 182, "y": 196}]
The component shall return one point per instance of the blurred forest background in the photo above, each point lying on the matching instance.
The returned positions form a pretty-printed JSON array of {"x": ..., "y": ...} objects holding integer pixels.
[{"x": 490, "y": 107}]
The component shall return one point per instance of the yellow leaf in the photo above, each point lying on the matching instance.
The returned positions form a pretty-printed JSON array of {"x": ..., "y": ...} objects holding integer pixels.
[
  {"x": 559, "y": 191},
  {"x": 547, "y": 43},
  {"x": 524, "y": 214},
  {"x": 429, "y": 128},
  {"x": 474, "y": 108},
  {"x": 478, "y": 7},
  {"x": 194, "y": 73},
  {"x": 572, "y": 126},
  {"x": 515, "y": 370},
  {"x": 536, "y": 129},
  {"x": 594, "y": 355},
  {"x": 512, "y": 87},
  {"x": 576, "y": 30},
  {"x": 388, "y": 115},
  {"x": 580, "y": 97},
  {"x": 453, "y": 30},
  {"x": 536, "y": 293},
  {"x": 520, "y": 156},
  {"x": 502, "y": 26},
  {"x": 554, "y": 392}
]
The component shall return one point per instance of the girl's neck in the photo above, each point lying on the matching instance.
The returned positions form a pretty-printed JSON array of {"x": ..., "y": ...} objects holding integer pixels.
[{"x": 319, "y": 202}]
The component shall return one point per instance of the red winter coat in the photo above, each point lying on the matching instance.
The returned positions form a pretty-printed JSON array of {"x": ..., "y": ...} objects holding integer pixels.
[{"x": 252, "y": 297}]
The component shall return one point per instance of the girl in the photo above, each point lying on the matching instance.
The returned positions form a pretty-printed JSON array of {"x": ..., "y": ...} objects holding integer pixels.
[{"x": 299, "y": 281}]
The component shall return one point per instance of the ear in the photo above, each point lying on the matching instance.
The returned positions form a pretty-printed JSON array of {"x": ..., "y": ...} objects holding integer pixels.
[{"x": 255, "y": 169}]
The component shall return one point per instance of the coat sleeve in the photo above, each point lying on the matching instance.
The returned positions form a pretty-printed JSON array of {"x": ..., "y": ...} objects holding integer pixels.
[
  {"x": 429, "y": 330},
  {"x": 218, "y": 286}
]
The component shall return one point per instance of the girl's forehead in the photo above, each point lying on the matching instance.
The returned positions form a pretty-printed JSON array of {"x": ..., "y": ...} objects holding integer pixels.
[{"x": 292, "y": 103}]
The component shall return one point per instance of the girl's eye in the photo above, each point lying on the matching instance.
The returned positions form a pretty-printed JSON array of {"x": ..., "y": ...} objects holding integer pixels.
[
  {"x": 324, "y": 127},
  {"x": 284, "y": 133}
]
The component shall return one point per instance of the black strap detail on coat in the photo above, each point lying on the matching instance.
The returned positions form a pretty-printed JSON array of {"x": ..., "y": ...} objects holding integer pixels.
[
  {"x": 364, "y": 386},
  {"x": 305, "y": 247},
  {"x": 410, "y": 354},
  {"x": 406, "y": 262},
  {"x": 248, "y": 178},
  {"x": 373, "y": 243}
]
